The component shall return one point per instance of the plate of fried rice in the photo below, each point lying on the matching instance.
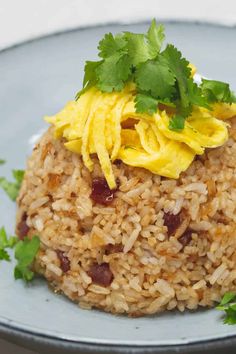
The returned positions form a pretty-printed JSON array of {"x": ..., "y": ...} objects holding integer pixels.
[{"x": 125, "y": 214}]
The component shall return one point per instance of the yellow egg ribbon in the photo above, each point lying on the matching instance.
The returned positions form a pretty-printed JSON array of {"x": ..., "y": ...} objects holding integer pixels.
[{"x": 107, "y": 124}]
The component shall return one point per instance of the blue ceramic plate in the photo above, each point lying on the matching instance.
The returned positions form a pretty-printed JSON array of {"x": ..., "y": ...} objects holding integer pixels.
[{"x": 37, "y": 78}]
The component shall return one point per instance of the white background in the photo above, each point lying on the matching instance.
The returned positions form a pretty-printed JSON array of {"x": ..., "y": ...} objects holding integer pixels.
[{"x": 25, "y": 19}]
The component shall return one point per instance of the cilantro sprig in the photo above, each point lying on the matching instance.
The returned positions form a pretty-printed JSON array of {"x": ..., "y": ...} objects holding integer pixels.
[
  {"x": 120, "y": 56},
  {"x": 217, "y": 91},
  {"x": 160, "y": 76},
  {"x": 5, "y": 243},
  {"x": 228, "y": 305},
  {"x": 25, "y": 252},
  {"x": 12, "y": 188},
  {"x": 26, "y": 249}
]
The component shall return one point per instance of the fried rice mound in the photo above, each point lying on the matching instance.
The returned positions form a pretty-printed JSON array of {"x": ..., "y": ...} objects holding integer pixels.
[{"x": 160, "y": 244}]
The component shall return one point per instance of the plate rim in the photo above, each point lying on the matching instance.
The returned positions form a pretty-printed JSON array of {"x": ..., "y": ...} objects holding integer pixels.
[
  {"x": 113, "y": 23},
  {"x": 25, "y": 336},
  {"x": 31, "y": 340}
]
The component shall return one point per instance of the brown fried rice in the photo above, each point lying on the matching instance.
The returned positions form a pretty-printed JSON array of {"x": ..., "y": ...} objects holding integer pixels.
[{"x": 162, "y": 244}]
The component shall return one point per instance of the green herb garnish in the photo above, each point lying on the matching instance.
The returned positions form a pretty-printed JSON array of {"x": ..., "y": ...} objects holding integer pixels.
[
  {"x": 6, "y": 242},
  {"x": 228, "y": 305},
  {"x": 2, "y": 162},
  {"x": 217, "y": 91},
  {"x": 161, "y": 76},
  {"x": 25, "y": 253},
  {"x": 12, "y": 188}
]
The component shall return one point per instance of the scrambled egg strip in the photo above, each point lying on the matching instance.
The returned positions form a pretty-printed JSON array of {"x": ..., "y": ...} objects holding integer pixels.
[
  {"x": 117, "y": 126},
  {"x": 108, "y": 125},
  {"x": 97, "y": 131}
]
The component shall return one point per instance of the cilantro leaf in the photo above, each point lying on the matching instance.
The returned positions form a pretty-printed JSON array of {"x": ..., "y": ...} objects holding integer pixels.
[
  {"x": 166, "y": 102},
  {"x": 145, "y": 104},
  {"x": 176, "y": 123},
  {"x": 120, "y": 54},
  {"x": 230, "y": 318},
  {"x": 113, "y": 73},
  {"x": 18, "y": 175},
  {"x": 110, "y": 45},
  {"x": 155, "y": 37},
  {"x": 137, "y": 48},
  {"x": 227, "y": 298},
  {"x": 90, "y": 78},
  {"x": 12, "y": 241},
  {"x": 5, "y": 243},
  {"x": 196, "y": 96},
  {"x": 188, "y": 93},
  {"x": 155, "y": 77},
  {"x": 25, "y": 252},
  {"x": 217, "y": 91},
  {"x": 3, "y": 238},
  {"x": 4, "y": 256},
  {"x": 143, "y": 47},
  {"x": 228, "y": 305},
  {"x": 179, "y": 66},
  {"x": 89, "y": 72},
  {"x": 2, "y": 162},
  {"x": 12, "y": 188}
]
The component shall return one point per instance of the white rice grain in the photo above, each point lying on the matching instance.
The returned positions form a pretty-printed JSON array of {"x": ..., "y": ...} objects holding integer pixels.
[{"x": 131, "y": 240}]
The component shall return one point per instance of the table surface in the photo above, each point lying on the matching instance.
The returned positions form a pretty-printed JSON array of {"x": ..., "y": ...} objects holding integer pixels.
[
  {"x": 26, "y": 19},
  {"x": 9, "y": 348}
]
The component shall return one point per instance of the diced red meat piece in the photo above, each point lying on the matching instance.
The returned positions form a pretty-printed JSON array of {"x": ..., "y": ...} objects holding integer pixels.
[
  {"x": 64, "y": 261},
  {"x": 101, "y": 193},
  {"x": 110, "y": 249},
  {"x": 22, "y": 227},
  {"x": 101, "y": 274},
  {"x": 186, "y": 238},
  {"x": 172, "y": 222}
]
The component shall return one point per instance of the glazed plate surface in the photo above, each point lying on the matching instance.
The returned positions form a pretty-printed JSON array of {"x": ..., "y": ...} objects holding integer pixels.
[{"x": 37, "y": 78}]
